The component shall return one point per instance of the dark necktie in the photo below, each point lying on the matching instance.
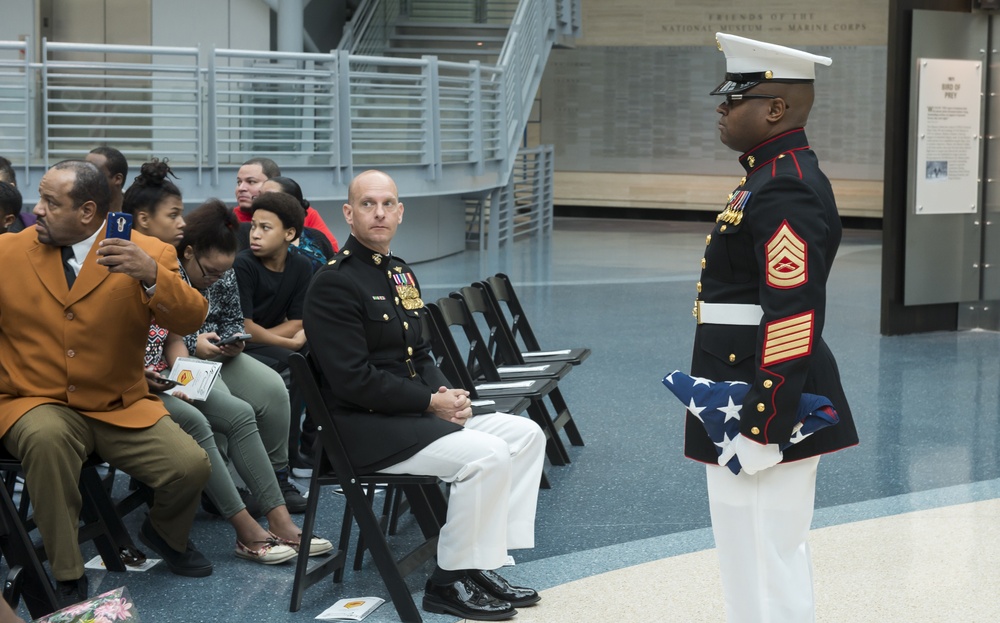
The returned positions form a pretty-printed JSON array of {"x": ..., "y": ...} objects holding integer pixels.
[{"x": 67, "y": 255}]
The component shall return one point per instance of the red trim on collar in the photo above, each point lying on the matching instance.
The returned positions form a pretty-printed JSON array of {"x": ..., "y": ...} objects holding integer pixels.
[{"x": 774, "y": 138}]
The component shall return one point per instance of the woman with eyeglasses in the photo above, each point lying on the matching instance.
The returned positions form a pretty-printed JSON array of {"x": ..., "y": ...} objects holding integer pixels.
[{"x": 248, "y": 406}]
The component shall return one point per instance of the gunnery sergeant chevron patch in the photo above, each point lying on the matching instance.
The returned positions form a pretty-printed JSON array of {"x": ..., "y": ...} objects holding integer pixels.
[
  {"x": 786, "y": 259},
  {"x": 788, "y": 338}
]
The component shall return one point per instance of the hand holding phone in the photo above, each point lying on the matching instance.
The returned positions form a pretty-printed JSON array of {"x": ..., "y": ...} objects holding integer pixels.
[
  {"x": 232, "y": 339},
  {"x": 119, "y": 225}
]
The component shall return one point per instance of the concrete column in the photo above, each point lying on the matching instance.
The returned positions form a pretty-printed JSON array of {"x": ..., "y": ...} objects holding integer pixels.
[{"x": 290, "y": 24}]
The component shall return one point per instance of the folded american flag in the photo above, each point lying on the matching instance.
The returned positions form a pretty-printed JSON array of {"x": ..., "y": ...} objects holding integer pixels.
[{"x": 717, "y": 405}]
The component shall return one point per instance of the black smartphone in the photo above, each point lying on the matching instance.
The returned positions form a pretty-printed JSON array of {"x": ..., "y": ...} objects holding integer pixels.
[
  {"x": 119, "y": 225},
  {"x": 232, "y": 339},
  {"x": 170, "y": 383}
]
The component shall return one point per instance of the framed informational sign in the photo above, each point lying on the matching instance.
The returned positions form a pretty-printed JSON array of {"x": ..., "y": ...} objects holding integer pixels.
[{"x": 948, "y": 136}]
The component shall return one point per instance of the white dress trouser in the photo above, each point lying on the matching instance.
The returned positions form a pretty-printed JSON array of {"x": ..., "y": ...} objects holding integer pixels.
[
  {"x": 761, "y": 526},
  {"x": 494, "y": 467}
]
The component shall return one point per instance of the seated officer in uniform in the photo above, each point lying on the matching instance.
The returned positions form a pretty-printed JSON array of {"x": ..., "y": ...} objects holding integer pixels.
[
  {"x": 362, "y": 314},
  {"x": 761, "y": 310}
]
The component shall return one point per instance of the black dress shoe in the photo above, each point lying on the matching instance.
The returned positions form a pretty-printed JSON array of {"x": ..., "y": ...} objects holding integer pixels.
[
  {"x": 466, "y": 599},
  {"x": 69, "y": 592},
  {"x": 295, "y": 502},
  {"x": 494, "y": 584},
  {"x": 190, "y": 563}
]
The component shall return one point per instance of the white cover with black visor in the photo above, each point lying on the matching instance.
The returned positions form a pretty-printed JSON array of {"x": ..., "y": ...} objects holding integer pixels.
[{"x": 750, "y": 62}]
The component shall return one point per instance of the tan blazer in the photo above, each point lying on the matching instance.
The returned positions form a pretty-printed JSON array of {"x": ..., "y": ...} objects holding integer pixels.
[{"x": 84, "y": 348}]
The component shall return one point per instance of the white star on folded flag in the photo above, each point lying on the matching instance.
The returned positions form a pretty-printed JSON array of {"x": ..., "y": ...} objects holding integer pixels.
[
  {"x": 717, "y": 406},
  {"x": 696, "y": 410},
  {"x": 732, "y": 411}
]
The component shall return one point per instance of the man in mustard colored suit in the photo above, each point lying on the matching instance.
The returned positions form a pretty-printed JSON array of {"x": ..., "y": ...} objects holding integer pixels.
[{"x": 75, "y": 310}]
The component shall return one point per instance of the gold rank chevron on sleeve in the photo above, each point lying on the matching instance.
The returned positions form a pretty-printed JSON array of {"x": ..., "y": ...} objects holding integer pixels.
[
  {"x": 788, "y": 338},
  {"x": 787, "y": 266}
]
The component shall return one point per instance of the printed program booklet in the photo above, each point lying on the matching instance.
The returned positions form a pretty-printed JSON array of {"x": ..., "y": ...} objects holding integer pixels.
[
  {"x": 353, "y": 609},
  {"x": 194, "y": 377}
]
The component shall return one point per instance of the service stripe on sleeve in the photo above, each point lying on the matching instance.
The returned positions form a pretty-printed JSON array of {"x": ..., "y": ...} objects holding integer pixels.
[
  {"x": 787, "y": 265},
  {"x": 788, "y": 338}
]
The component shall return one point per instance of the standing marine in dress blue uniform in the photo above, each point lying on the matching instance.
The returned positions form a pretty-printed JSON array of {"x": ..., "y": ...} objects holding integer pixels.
[{"x": 761, "y": 309}]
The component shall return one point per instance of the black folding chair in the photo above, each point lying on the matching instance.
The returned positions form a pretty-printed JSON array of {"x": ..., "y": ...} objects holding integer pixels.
[
  {"x": 332, "y": 467},
  {"x": 449, "y": 312},
  {"x": 501, "y": 290},
  {"x": 449, "y": 360},
  {"x": 101, "y": 524},
  {"x": 503, "y": 348}
]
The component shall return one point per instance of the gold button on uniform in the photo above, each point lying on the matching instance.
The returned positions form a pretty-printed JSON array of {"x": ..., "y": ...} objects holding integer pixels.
[
  {"x": 754, "y": 431},
  {"x": 723, "y": 228},
  {"x": 703, "y": 263},
  {"x": 698, "y": 286},
  {"x": 396, "y": 300},
  {"x": 406, "y": 325},
  {"x": 760, "y": 407},
  {"x": 708, "y": 240},
  {"x": 768, "y": 384},
  {"x": 385, "y": 316},
  {"x": 732, "y": 357},
  {"x": 409, "y": 350}
]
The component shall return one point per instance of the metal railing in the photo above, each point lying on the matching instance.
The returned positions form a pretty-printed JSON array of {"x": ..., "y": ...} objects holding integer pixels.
[
  {"x": 520, "y": 208},
  {"x": 369, "y": 30},
  {"x": 276, "y": 103},
  {"x": 15, "y": 102},
  {"x": 339, "y": 111},
  {"x": 119, "y": 94}
]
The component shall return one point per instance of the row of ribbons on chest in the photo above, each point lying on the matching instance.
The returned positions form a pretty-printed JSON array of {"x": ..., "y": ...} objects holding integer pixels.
[{"x": 733, "y": 213}]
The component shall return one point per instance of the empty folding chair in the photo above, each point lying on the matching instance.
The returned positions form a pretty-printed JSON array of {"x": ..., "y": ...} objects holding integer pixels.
[
  {"x": 503, "y": 348},
  {"x": 502, "y": 290},
  {"x": 449, "y": 312}
]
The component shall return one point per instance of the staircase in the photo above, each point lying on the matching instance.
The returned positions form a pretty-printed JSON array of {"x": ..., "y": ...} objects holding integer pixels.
[
  {"x": 515, "y": 37},
  {"x": 456, "y": 42}
]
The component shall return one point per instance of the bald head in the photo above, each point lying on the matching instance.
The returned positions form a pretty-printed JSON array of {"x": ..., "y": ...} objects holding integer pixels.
[{"x": 361, "y": 180}]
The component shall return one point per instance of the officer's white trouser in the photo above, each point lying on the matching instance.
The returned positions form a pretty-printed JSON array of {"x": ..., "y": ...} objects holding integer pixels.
[
  {"x": 494, "y": 466},
  {"x": 761, "y": 526}
]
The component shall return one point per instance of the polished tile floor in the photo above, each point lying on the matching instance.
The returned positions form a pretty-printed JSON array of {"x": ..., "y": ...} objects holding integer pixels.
[{"x": 905, "y": 527}]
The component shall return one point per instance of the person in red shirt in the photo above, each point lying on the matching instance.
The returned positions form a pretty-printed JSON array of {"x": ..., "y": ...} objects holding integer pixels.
[{"x": 249, "y": 179}]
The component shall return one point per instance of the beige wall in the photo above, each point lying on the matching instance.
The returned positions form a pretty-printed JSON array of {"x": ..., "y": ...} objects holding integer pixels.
[
  {"x": 695, "y": 22},
  {"x": 669, "y": 23}
]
